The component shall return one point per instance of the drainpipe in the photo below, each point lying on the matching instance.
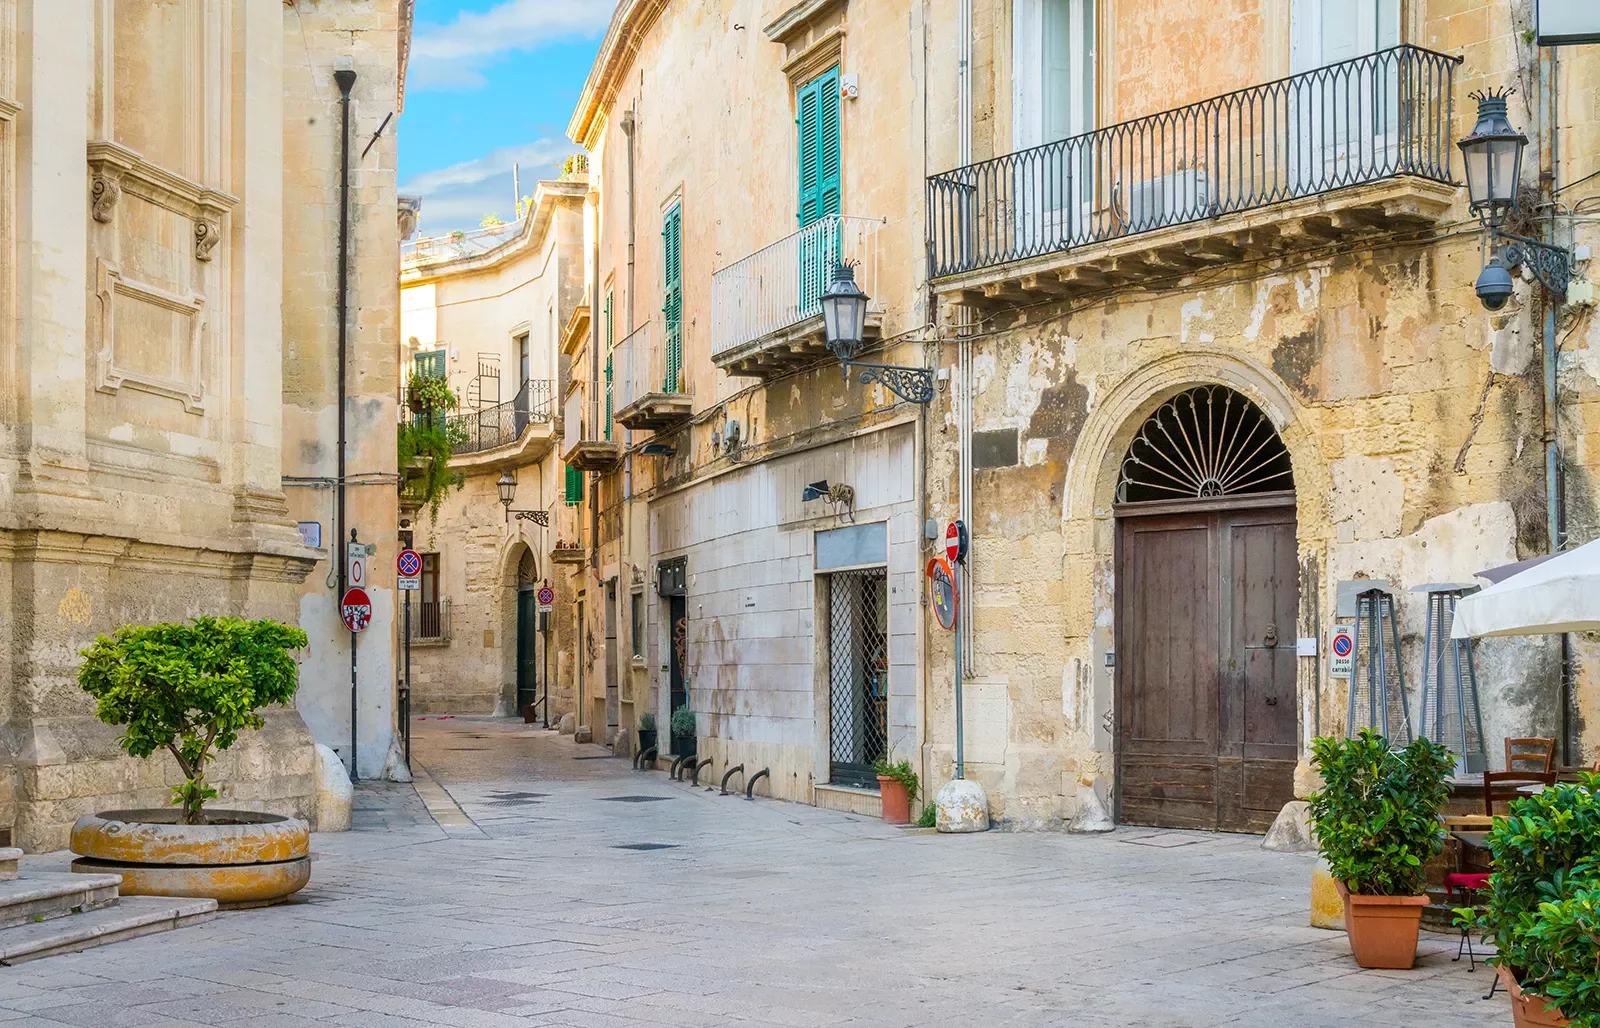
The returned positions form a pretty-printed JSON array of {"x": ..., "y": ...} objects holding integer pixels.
[
  {"x": 624, "y": 666},
  {"x": 593, "y": 396},
  {"x": 345, "y": 78}
]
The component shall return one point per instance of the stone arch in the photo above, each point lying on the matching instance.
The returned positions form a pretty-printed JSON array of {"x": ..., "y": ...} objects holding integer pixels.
[{"x": 517, "y": 562}]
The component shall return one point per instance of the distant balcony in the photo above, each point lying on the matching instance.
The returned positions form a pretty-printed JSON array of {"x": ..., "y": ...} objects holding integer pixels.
[
  {"x": 1356, "y": 149},
  {"x": 531, "y": 412},
  {"x": 456, "y": 245},
  {"x": 583, "y": 438},
  {"x": 646, "y": 394},
  {"x": 766, "y": 310}
]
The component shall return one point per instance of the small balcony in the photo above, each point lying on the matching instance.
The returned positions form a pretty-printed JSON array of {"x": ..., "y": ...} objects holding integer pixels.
[
  {"x": 648, "y": 381},
  {"x": 585, "y": 444},
  {"x": 430, "y": 622},
  {"x": 766, "y": 310},
  {"x": 527, "y": 419},
  {"x": 1355, "y": 150}
]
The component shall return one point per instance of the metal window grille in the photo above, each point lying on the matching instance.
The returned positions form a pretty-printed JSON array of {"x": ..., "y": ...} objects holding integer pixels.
[
  {"x": 858, "y": 657},
  {"x": 430, "y": 620}
]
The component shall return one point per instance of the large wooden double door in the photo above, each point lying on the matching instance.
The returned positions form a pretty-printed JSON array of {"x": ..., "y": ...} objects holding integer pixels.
[{"x": 1207, "y": 604}]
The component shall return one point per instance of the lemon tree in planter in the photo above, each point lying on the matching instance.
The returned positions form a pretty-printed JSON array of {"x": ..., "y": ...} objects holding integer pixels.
[{"x": 192, "y": 689}]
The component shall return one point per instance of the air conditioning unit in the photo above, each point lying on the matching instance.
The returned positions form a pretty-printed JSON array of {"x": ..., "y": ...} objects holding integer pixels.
[{"x": 1168, "y": 200}]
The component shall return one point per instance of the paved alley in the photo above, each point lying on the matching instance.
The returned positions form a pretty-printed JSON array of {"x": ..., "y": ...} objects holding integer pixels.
[{"x": 551, "y": 885}]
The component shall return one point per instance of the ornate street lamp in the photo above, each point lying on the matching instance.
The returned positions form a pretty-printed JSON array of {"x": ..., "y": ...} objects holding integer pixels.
[
  {"x": 1493, "y": 155},
  {"x": 844, "y": 319},
  {"x": 508, "y": 494}
]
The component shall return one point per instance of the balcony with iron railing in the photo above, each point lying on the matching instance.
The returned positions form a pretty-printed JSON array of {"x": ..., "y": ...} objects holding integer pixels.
[
  {"x": 527, "y": 419},
  {"x": 586, "y": 441},
  {"x": 457, "y": 245},
  {"x": 766, "y": 310},
  {"x": 648, "y": 387},
  {"x": 430, "y": 621},
  {"x": 1358, "y": 149}
]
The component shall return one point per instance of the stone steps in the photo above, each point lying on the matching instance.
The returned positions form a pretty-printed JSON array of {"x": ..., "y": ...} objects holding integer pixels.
[
  {"x": 126, "y": 918},
  {"x": 56, "y": 912}
]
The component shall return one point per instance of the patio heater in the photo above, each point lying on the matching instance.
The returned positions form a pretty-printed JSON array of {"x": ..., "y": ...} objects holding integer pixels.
[
  {"x": 1377, "y": 680},
  {"x": 1450, "y": 715}
]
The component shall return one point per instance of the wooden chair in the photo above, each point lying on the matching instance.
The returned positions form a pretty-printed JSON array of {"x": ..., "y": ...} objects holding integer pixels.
[
  {"x": 1505, "y": 786},
  {"x": 1531, "y": 754},
  {"x": 1463, "y": 883}
]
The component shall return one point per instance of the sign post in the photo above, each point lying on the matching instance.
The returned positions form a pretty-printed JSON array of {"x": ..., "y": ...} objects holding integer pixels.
[
  {"x": 355, "y": 610},
  {"x": 955, "y": 548},
  {"x": 409, "y": 566}
]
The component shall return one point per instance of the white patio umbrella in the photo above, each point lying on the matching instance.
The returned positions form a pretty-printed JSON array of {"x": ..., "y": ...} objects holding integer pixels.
[{"x": 1555, "y": 595}]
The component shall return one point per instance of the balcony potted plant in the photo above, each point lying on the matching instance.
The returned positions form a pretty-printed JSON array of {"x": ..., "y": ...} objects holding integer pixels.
[
  {"x": 897, "y": 785},
  {"x": 191, "y": 689},
  {"x": 647, "y": 732},
  {"x": 1542, "y": 910},
  {"x": 683, "y": 731},
  {"x": 1377, "y": 824}
]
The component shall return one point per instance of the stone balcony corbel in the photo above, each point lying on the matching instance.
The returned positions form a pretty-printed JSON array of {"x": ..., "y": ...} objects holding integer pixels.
[{"x": 116, "y": 169}]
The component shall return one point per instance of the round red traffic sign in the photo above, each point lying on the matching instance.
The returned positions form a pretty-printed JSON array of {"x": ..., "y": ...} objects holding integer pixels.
[
  {"x": 547, "y": 596},
  {"x": 409, "y": 564},
  {"x": 356, "y": 610},
  {"x": 952, "y": 542}
]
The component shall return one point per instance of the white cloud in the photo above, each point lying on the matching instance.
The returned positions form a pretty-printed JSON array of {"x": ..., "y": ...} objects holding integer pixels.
[
  {"x": 452, "y": 56},
  {"x": 457, "y": 197}
]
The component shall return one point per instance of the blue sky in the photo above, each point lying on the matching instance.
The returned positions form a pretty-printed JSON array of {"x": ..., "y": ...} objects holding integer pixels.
[{"x": 492, "y": 83}]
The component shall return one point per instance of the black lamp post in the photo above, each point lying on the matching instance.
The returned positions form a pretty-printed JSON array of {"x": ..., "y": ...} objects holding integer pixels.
[
  {"x": 1493, "y": 155},
  {"x": 844, "y": 318},
  {"x": 508, "y": 494}
]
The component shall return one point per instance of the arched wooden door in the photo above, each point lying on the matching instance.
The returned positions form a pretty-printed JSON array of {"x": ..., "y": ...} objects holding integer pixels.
[
  {"x": 1207, "y": 590},
  {"x": 527, "y": 631}
]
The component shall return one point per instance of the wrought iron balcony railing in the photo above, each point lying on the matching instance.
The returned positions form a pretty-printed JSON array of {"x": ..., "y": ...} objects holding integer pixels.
[
  {"x": 1374, "y": 117},
  {"x": 504, "y": 423},
  {"x": 781, "y": 285},
  {"x": 470, "y": 243},
  {"x": 430, "y": 620}
]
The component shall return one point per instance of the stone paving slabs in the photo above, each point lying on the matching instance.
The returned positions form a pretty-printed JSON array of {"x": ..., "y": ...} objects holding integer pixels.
[{"x": 545, "y": 906}]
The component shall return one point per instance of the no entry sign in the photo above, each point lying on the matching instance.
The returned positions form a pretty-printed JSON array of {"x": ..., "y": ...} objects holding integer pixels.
[
  {"x": 955, "y": 542},
  {"x": 942, "y": 592},
  {"x": 356, "y": 610}
]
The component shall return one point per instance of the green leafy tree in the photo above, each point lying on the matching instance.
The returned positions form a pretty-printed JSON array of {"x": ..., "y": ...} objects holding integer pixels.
[
  {"x": 191, "y": 689},
  {"x": 1377, "y": 815}
]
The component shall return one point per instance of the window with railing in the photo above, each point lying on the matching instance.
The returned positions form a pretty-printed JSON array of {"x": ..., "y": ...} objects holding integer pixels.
[
  {"x": 430, "y": 620},
  {"x": 1357, "y": 121},
  {"x": 504, "y": 423}
]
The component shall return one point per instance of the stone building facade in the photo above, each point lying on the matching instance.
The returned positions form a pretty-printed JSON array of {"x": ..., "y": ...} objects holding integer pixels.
[
  {"x": 147, "y": 224},
  {"x": 488, "y": 312}
]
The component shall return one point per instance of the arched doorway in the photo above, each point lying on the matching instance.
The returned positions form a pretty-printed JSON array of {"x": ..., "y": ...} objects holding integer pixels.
[
  {"x": 527, "y": 631},
  {"x": 1207, "y": 593}
]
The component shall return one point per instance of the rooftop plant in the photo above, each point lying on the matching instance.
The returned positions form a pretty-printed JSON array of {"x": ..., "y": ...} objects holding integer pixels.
[
  {"x": 1377, "y": 814},
  {"x": 190, "y": 689}
]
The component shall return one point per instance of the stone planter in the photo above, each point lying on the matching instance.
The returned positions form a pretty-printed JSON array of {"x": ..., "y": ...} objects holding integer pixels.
[
  {"x": 1383, "y": 929},
  {"x": 1527, "y": 1009},
  {"x": 249, "y": 859},
  {"x": 896, "y": 801}
]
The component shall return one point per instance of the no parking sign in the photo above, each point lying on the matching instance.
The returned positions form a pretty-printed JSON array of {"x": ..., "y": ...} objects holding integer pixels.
[{"x": 1341, "y": 652}]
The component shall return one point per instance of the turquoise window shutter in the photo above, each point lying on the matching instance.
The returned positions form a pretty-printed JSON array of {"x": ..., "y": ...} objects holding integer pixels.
[
  {"x": 817, "y": 105},
  {"x": 672, "y": 308}
]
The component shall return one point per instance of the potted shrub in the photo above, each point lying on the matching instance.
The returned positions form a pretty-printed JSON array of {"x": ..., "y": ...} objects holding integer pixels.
[
  {"x": 1542, "y": 910},
  {"x": 647, "y": 732},
  {"x": 683, "y": 731},
  {"x": 897, "y": 784},
  {"x": 191, "y": 689},
  {"x": 1377, "y": 824}
]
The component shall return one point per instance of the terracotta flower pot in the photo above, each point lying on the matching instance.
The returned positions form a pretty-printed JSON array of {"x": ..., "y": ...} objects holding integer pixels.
[
  {"x": 1383, "y": 929},
  {"x": 896, "y": 801},
  {"x": 1527, "y": 1009},
  {"x": 243, "y": 858}
]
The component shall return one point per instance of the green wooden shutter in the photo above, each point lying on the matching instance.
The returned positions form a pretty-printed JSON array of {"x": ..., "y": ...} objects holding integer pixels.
[
  {"x": 429, "y": 365},
  {"x": 610, "y": 342},
  {"x": 574, "y": 486},
  {"x": 672, "y": 308},
  {"x": 817, "y": 105}
]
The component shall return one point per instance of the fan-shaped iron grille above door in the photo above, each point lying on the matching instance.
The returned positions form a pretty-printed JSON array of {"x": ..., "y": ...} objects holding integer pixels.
[{"x": 1204, "y": 443}]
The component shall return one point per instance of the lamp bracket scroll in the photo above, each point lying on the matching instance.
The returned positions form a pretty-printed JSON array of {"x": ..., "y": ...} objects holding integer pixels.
[
  {"x": 1551, "y": 265},
  {"x": 913, "y": 384}
]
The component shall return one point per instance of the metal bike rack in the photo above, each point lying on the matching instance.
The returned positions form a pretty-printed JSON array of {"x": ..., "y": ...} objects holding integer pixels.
[
  {"x": 694, "y": 778},
  {"x": 644, "y": 757},
  {"x": 675, "y": 772},
  {"x": 729, "y": 774},
  {"x": 750, "y": 783}
]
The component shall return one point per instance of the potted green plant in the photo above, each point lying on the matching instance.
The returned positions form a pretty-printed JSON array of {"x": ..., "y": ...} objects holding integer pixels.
[
  {"x": 191, "y": 690},
  {"x": 647, "y": 731},
  {"x": 1377, "y": 824},
  {"x": 683, "y": 731},
  {"x": 1542, "y": 910},
  {"x": 897, "y": 785}
]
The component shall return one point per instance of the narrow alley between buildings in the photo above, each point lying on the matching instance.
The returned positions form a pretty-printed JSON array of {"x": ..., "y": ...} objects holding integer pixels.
[{"x": 543, "y": 882}]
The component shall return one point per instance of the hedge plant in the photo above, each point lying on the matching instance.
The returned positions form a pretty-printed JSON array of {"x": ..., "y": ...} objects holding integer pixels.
[
  {"x": 1542, "y": 910},
  {"x": 1377, "y": 815},
  {"x": 190, "y": 689},
  {"x": 683, "y": 722}
]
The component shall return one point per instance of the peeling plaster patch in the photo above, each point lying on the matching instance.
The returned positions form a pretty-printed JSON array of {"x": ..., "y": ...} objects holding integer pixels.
[
  {"x": 1193, "y": 310},
  {"x": 983, "y": 366},
  {"x": 1310, "y": 293},
  {"x": 1258, "y": 313},
  {"x": 1035, "y": 453},
  {"x": 1510, "y": 348},
  {"x": 122, "y": 433},
  {"x": 1587, "y": 353},
  {"x": 1368, "y": 498}
]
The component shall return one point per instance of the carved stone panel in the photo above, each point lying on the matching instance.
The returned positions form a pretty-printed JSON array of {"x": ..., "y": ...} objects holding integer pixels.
[{"x": 151, "y": 339}]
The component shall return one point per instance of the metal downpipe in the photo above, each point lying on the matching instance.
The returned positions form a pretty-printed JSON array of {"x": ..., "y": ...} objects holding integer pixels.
[{"x": 345, "y": 79}]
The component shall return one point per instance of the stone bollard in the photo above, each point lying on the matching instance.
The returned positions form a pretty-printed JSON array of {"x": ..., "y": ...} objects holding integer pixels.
[
  {"x": 962, "y": 806},
  {"x": 334, "y": 792}
]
